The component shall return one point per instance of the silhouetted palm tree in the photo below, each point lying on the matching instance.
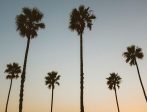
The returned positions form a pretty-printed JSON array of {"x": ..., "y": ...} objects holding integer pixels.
[
  {"x": 50, "y": 80},
  {"x": 13, "y": 70},
  {"x": 113, "y": 81},
  {"x": 80, "y": 19},
  {"x": 28, "y": 23},
  {"x": 131, "y": 56}
]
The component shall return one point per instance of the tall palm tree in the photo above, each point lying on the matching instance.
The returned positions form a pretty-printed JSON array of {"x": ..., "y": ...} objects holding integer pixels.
[
  {"x": 131, "y": 56},
  {"x": 113, "y": 81},
  {"x": 13, "y": 71},
  {"x": 50, "y": 80},
  {"x": 80, "y": 19},
  {"x": 28, "y": 23}
]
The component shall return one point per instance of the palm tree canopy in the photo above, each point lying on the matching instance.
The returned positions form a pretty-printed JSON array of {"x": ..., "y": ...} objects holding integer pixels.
[
  {"x": 51, "y": 79},
  {"x": 132, "y": 53},
  {"x": 80, "y": 18},
  {"x": 13, "y": 70},
  {"x": 28, "y": 22},
  {"x": 113, "y": 81}
]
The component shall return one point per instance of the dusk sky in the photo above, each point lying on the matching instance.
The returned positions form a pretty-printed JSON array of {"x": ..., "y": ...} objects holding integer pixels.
[{"x": 119, "y": 23}]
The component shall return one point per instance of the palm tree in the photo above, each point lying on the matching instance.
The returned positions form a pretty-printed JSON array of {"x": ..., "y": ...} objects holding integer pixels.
[
  {"x": 113, "y": 81},
  {"x": 50, "y": 80},
  {"x": 131, "y": 56},
  {"x": 80, "y": 19},
  {"x": 28, "y": 23},
  {"x": 13, "y": 71}
]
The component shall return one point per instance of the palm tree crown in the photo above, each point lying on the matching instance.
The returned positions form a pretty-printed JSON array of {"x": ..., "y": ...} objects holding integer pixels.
[
  {"x": 28, "y": 22},
  {"x": 13, "y": 70},
  {"x": 113, "y": 81},
  {"x": 132, "y": 53},
  {"x": 81, "y": 18},
  {"x": 51, "y": 79}
]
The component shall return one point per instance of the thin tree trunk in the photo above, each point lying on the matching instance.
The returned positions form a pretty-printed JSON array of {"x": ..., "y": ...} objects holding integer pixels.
[
  {"x": 81, "y": 74},
  {"x": 141, "y": 80},
  {"x": 23, "y": 77},
  {"x": 8, "y": 96},
  {"x": 52, "y": 99},
  {"x": 116, "y": 100}
]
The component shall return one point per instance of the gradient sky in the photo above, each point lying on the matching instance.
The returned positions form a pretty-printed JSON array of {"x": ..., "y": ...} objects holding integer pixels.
[{"x": 119, "y": 23}]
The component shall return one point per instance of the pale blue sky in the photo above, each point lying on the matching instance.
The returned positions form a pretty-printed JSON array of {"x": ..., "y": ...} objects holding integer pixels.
[{"x": 119, "y": 23}]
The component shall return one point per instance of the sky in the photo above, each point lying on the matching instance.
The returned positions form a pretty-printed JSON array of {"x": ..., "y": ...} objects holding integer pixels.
[{"x": 119, "y": 23}]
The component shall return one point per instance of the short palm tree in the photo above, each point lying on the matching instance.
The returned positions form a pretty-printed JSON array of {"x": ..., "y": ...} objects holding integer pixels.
[
  {"x": 131, "y": 56},
  {"x": 113, "y": 81},
  {"x": 13, "y": 71},
  {"x": 80, "y": 19},
  {"x": 50, "y": 80},
  {"x": 28, "y": 23}
]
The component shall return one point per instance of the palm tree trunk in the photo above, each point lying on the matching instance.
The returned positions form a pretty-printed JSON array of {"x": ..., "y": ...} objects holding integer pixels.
[
  {"x": 81, "y": 74},
  {"x": 8, "y": 96},
  {"x": 23, "y": 76},
  {"x": 141, "y": 80},
  {"x": 52, "y": 99},
  {"x": 116, "y": 100}
]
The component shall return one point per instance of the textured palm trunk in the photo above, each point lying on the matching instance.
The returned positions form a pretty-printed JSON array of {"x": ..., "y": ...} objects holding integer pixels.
[
  {"x": 81, "y": 74},
  {"x": 52, "y": 99},
  {"x": 23, "y": 75},
  {"x": 116, "y": 99},
  {"x": 141, "y": 80},
  {"x": 8, "y": 96}
]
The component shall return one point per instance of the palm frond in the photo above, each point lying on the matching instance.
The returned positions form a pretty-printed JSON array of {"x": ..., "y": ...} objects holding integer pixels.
[
  {"x": 139, "y": 54},
  {"x": 12, "y": 70},
  {"x": 28, "y": 22},
  {"x": 51, "y": 79},
  {"x": 132, "y": 53},
  {"x": 81, "y": 18},
  {"x": 113, "y": 80}
]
